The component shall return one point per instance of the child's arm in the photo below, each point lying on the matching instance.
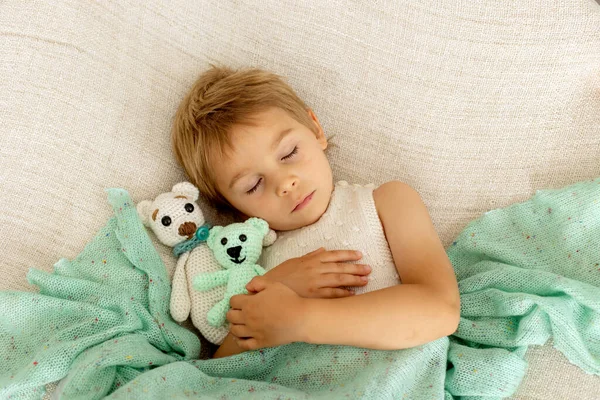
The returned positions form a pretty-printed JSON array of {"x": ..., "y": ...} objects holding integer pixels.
[
  {"x": 313, "y": 275},
  {"x": 228, "y": 348},
  {"x": 425, "y": 307}
]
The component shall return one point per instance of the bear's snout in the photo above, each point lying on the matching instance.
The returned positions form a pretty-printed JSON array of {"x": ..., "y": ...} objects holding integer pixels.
[
  {"x": 187, "y": 229},
  {"x": 234, "y": 252}
]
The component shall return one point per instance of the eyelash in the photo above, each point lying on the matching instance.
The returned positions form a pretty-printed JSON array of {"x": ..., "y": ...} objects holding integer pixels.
[
  {"x": 255, "y": 188},
  {"x": 291, "y": 154}
]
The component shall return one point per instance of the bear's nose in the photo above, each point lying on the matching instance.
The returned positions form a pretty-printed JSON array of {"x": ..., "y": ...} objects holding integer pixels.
[
  {"x": 187, "y": 229},
  {"x": 234, "y": 251}
]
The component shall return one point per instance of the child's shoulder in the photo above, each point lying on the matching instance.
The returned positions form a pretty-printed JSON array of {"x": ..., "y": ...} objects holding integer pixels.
[
  {"x": 394, "y": 199},
  {"x": 392, "y": 189},
  {"x": 389, "y": 196}
]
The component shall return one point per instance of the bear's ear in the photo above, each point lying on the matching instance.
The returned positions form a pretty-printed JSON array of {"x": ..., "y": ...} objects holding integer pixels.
[
  {"x": 212, "y": 234},
  {"x": 144, "y": 208},
  {"x": 186, "y": 189},
  {"x": 260, "y": 224},
  {"x": 269, "y": 238}
]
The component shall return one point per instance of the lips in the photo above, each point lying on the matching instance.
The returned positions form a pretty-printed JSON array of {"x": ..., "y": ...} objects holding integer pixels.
[{"x": 304, "y": 202}]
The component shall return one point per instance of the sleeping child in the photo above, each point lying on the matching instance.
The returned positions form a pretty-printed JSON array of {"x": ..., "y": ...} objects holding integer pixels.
[{"x": 353, "y": 264}]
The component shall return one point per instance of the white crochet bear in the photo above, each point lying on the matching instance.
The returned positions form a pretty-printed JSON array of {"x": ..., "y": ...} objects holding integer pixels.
[
  {"x": 178, "y": 222},
  {"x": 175, "y": 217}
]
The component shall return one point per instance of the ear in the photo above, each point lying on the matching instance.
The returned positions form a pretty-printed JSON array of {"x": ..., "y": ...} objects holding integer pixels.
[
  {"x": 260, "y": 224},
  {"x": 212, "y": 234},
  {"x": 269, "y": 238},
  {"x": 143, "y": 210},
  {"x": 320, "y": 135},
  {"x": 186, "y": 189}
]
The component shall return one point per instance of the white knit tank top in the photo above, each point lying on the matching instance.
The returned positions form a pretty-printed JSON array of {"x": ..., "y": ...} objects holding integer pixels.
[{"x": 349, "y": 223}]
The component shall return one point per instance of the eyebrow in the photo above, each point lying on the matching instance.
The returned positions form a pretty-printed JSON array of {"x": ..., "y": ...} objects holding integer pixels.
[
  {"x": 274, "y": 145},
  {"x": 280, "y": 138}
]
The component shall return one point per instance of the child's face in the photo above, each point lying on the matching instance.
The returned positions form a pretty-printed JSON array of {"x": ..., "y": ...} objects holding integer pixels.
[{"x": 267, "y": 175}]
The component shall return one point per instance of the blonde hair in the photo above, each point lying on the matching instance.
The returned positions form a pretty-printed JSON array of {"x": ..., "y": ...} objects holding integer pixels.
[{"x": 220, "y": 98}]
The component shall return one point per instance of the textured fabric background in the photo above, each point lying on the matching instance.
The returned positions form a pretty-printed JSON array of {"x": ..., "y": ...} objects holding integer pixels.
[{"x": 476, "y": 104}]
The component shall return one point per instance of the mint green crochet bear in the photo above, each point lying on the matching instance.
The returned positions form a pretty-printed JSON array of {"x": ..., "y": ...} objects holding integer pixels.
[{"x": 236, "y": 248}]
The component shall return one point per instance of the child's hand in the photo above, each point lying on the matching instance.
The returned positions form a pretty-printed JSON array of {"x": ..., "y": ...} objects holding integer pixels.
[
  {"x": 320, "y": 273},
  {"x": 272, "y": 317}
]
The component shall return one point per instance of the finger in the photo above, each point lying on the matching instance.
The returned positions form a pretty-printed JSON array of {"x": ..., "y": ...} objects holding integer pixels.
[
  {"x": 334, "y": 293},
  {"x": 248, "y": 344},
  {"x": 237, "y": 302},
  {"x": 240, "y": 331},
  {"x": 235, "y": 316},
  {"x": 336, "y": 280},
  {"x": 257, "y": 284},
  {"x": 345, "y": 268},
  {"x": 340, "y": 255},
  {"x": 250, "y": 285}
]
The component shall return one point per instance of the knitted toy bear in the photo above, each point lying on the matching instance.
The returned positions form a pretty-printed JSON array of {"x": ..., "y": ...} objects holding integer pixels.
[
  {"x": 178, "y": 222},
  {"x": 237, "y": 248}
]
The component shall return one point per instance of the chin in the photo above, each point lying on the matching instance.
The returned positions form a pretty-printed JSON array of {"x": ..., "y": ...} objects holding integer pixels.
[
  {"x": 315, "y": 213},
  {"x": 294, "y": 223},
  {"x": 310, "y": 221}
]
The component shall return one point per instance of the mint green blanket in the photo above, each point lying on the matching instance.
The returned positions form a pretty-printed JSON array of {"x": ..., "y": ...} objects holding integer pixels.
[{"x": 100, "y": 323}]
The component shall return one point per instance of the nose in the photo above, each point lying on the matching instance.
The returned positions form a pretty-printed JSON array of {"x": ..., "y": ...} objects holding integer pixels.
[
  {"x": 187, "y": 229},
  {"x": 234, "y": 251},
  {"x": 287, "y": 185}
]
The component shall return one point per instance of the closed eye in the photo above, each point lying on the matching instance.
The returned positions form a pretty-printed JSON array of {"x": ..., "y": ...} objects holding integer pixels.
[
  {"x": 255, "y": 188},
  {"x": 291, "y": 154}
]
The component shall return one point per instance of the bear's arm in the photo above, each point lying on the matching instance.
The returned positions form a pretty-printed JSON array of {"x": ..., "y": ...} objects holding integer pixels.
[
  {"x": 209, "y": 280},
  {"x": 259, "y": 270}
]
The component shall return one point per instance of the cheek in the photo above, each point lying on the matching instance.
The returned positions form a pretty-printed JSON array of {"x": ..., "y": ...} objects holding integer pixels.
[
  {"x": 318, "y": 160},
  {"x": 257, "y": 205}
]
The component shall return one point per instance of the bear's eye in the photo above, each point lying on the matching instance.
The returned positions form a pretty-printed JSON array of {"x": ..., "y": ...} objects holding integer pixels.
[
  {"x": 166, "y": 220},
  {"x": 224, "y": 241},
  {"x": 243, "y": 238},
  {"x": 189, "y": 207}
]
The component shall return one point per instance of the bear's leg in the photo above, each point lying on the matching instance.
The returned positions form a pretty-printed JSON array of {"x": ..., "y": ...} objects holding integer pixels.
[{"x": 217, "y": 315}]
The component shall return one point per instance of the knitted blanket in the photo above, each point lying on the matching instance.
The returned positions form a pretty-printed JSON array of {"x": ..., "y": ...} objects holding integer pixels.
[{"x": 101, "y": 322}]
